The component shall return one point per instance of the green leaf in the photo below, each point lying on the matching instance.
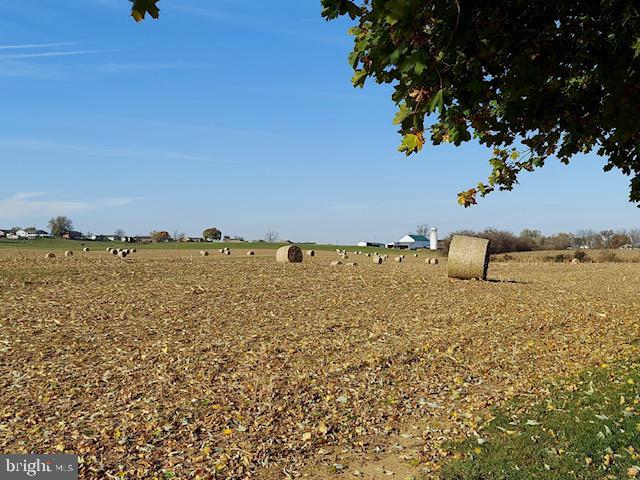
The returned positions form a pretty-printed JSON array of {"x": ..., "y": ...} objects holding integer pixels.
[
  {"x": 359, "y": 78},
  {"x": 437, "y": 101},
  {"x": 402, "y": 114},
  {"x": 411, "y": 143}
]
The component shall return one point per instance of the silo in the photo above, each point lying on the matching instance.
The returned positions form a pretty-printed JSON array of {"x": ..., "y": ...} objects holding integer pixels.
[{"x": 433, "y": 239}]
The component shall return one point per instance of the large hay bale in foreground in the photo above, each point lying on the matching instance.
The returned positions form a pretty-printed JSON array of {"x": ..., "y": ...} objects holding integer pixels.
[
  {"x": 468, "y": 257},
  {"x": 289, "y": 254}
]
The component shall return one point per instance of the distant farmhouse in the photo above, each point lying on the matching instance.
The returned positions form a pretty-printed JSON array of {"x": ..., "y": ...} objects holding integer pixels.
[
  {"x": 31, "y": 233},
  {"x": 410, "y": 242},
  {"x": 370, "y": 244},
  {"x": 72, "y": 235}
]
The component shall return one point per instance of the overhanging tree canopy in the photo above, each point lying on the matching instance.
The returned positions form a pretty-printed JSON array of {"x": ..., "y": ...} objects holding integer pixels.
[{"x": 530, "y": 79}]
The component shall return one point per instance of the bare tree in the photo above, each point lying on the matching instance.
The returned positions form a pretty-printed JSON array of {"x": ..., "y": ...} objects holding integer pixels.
[
  {"x": 423, "y": 229},
  {"x": 634, "y": 235},
  {"x": 120, "y": 233},
  {"x": 271, "y": 237}
]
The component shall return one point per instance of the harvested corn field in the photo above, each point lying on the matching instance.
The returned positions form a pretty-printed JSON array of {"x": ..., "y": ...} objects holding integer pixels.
[{"x": 174, "y": 365}]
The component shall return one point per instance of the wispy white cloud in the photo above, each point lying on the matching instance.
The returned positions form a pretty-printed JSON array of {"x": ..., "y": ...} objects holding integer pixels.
[
  {"x": 18, "y": 56},
  {"x": 135, "y": 67},
  {"x": 35, "y": 144},
  {"x": 35, "y": 45},
  {"x": 28, "y": 205}
]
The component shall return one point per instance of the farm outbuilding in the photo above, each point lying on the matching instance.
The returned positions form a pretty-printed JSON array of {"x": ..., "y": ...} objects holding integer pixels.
[{"x": 410, "y": 242}]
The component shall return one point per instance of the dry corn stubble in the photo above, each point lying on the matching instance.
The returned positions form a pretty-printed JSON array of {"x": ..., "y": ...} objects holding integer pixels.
[{"x": 236, "y": 364}]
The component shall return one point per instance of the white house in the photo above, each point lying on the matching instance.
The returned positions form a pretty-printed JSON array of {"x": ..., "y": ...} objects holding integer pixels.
[
  {"x": 31, "y": 233},
  {"x": 411, "y": 242}
]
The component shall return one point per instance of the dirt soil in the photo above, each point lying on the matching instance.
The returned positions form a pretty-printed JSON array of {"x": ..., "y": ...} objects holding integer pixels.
[{"x": 173, "y": 365}]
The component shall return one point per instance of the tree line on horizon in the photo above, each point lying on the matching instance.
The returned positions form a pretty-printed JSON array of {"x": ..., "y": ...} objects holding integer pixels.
[{"x": 502, "y": 241}]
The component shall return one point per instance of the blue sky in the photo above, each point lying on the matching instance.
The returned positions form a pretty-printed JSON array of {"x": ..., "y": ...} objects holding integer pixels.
[{"x": 240, "y": 115}]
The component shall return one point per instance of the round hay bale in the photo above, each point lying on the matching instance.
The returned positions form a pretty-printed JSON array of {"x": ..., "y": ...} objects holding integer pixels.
[
  {"x": 433, "y": 261},
  {"x": 351, "y": 264},
  {"x": 221, "y": 250},
  {"x": 109, "y": 249},
  {"x": 204, "y": 253},
  {"x": 336, "y": 263},
  {"x": 377, "y": 260},
  {"x": 122, "y": 254},
  {"x": 227, "y": 252},
  {"x": 250, "y": 253},
  {"x": 368, "y": 254},
  {"x": 375, "y": 254},
  {"x": 415, "y": 255},
  {"x": 338, "y": 250},
  {"x": 114, "y": 251},
  {"x": 468, "y": 257},
  {"x": 126, "y": 250},
  {"x": 344, "y": 256},
  {"x": 399, "y": 259},
  {"x": 50, "y": 255},
  {"x": 85, "y": 249},
  {"x": 68, "y": 253},
  {"x": 311, "y": 253},
  {"x": 133, "y": 250},
  {"x": 289, "y": 254},
  {"x": 575, "y": 260}
]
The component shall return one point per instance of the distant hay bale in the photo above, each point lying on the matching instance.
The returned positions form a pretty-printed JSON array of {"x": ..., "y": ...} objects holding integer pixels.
[
  {"x": 204, "y": 253},
  {"x": 368, "y": 254},
  {"x": 399, "y": 259},
  {"x": 351, "y": 264},
  {"x": 85, "y": 249},
  {"x": 250, "y": 253},
  {"x": 227, "y": 252},
  {"x": 114, "y": 251},
  {"x": 415, "y": 255},
  {"x": 338, "y": 250},
  {"x": 68, "y": 253},
  {"x": 575, "y": 260},
  {"x": 221, "y": 250},
  {"x": 336, "y": 263},
  {"x": 289, "y": 254},
  {"x": 311, "y": 253},
  {"x": 377, "y": 260},
  {"x": 344, "y": 256},
  {"x": 126, "y": 250},
  {"x": 432, "y": 261},
  {"x": 109, "y": 249},
  {"x": 133, "y": 250},
  {"x": 50, "y": 255},
  {"x": 122, "y": 254},
  {"x": 468, "y": 257}
]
